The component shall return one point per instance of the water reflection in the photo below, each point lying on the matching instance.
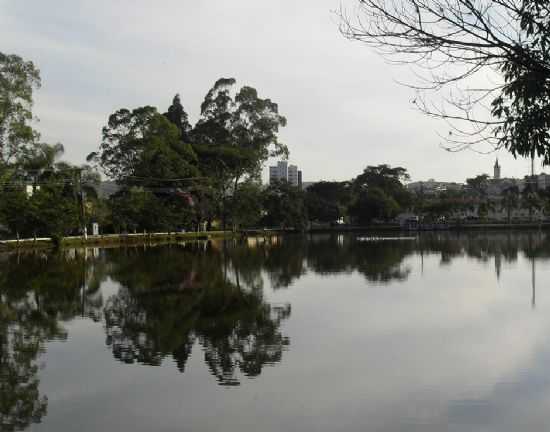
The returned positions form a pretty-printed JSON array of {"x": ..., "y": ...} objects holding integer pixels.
[
  {"x": 207, "y": 298},
  {"x": 37, "y": 293},
  {"x": 170, "y": 298}
]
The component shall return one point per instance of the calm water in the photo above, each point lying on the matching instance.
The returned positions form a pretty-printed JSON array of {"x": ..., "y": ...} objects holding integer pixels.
[{"x": 324, "y": 333}]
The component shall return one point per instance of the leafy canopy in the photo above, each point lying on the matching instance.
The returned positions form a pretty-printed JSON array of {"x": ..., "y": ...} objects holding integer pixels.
[{"x": 18, "y": 79}]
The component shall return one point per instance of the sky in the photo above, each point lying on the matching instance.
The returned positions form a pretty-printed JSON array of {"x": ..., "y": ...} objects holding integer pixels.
[{"x": 344, "y": 107}]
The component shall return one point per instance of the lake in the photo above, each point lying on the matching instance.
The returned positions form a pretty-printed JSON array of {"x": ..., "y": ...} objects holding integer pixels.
[{"x": 436, "y": 332}]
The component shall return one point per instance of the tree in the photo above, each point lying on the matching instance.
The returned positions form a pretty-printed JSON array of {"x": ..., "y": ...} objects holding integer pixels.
[
  {"x": 510, "y": 201},
  {"x": 15, "y": 210},
  {"x": 18, "y": 79},
  {"x": 178, "y": 117},
  {"x": 491, "y": 56},
  {"x": 247, "y": 210},
  {"x": 41, "y": 158},
  {"x": 136, "y": 208},
  {"x": 142, "y": 147},
  {"x": 387, "y": 179},
  {"x": 55, "y": 210},
  {"x": 328, "y": 201},
  {"x": 530, "y": 198},
  {"x": 236, "y": 134},
  {"x": 42, "y": 195},
  {"x": 284, "y": 206},
  {"x": 478, "y": 184},
  {"x": 373, "y": 203}
]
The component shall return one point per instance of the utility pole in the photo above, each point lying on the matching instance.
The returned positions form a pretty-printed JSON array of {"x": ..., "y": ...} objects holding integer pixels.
[{"x": 79, "y": 198}]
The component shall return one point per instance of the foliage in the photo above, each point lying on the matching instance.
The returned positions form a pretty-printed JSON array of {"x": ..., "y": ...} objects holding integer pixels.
[
  {"x": 379, "y": 194},
  {"x": 373, "y": 203},
  {"x": 236, "y": 134},
  {"x": 143, "y": 147},
  {"x": 478, "y": 184},
  {"x": 18, "y": 79},
  {"x": 15, "y": 210},
  {"x": 246, "y": 208},
  {"x": 284, "y": 206},
  {"x": 135, "y": 208},
  {"x": 177, "y": 116},
  {"x": 172, "y": 298},
  {"x": 328, "y": 201},
  {"x": 490, "y": 57},
  {"x": 510, "y": 201}
]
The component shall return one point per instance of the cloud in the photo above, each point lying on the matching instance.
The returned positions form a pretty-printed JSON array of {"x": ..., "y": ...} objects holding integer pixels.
[{"x": 341, "y": 99}]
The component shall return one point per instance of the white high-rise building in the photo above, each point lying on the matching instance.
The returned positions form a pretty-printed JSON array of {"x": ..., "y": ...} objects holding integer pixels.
[
  {"x": 278, "y": 172},
  {"x": 293, "y": 175},
  {"x": 283, "y": 172}
]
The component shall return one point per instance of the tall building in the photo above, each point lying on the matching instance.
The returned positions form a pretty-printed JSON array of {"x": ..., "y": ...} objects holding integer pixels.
[
  {"x": 278, "y": 172},
  {"x": 293, "y": 175},
  {"x": 496, "y": 169},
  {"x": 283, "y": 171}
]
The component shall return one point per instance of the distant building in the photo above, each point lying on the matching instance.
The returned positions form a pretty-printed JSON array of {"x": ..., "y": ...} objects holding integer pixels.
[
  {"x": 284, "y": 172},
  {"x": 278, "y": 172},
  {"x": 543, "y": 181},
  {"x": 433, "y": 187},
  {"x": 294, "y": 176},
  {"x": 496, "y": 170}
]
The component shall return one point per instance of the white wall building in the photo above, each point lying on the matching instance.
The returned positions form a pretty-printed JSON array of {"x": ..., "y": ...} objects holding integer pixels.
[
  {"x": 278, "y": 172},
  {"x": 294, "y": 175},
  {"x": 433, "y": 187},
  {"x": 282, "y": 171}
]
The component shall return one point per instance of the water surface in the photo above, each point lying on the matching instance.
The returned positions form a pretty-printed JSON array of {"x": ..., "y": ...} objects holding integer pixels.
[{"x": 441, "y": 332}]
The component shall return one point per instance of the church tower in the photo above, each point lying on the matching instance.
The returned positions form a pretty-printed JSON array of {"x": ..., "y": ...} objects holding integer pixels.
[{"x": 497, "y": 170}]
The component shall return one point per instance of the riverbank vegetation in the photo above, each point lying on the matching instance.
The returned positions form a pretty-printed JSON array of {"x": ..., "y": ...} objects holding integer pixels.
[{"x": 167, "y": 175}]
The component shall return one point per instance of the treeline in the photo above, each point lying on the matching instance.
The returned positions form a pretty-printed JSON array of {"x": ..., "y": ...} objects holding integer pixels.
[{"x": 170, "y": 175}]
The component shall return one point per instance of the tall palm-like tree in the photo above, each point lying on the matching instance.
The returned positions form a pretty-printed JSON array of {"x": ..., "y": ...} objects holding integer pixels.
[
  {"x": 43, "y": 157},
  {"x": 510, "y": 201}
]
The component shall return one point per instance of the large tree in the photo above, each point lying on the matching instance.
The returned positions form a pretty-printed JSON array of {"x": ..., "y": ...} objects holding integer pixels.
[
  {"x": 18, "y": 79},
  {"x": 490, "y": 56},
  {"x": 327, "y": 201},
  {"x": 177, "y": 115},
  {"x": 143, "y": 147},
  {"x": 236, "y": 134},
  {"x": 379, "y": 193},
  {"x": 284, "y": 206}
]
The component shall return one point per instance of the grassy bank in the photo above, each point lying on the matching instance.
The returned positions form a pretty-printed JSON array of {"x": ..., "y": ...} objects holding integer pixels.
[{"x": 113, "y": 239}]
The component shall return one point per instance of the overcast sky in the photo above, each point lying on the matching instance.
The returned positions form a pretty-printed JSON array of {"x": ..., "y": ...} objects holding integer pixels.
[{"x": 344, "y": 108}]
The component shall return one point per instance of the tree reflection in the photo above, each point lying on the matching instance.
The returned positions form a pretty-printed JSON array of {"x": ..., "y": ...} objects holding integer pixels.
[
  {"x": 172, "y": 297},
  {"x": 380, "y": 260},
  {"x": 172, "y": 300},
  {"x": 37, "y": 292}
]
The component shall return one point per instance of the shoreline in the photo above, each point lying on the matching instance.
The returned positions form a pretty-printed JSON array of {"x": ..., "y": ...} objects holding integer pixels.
[
  {"x": 112, "y": 240},
  {"x": 154, "y": 238}
]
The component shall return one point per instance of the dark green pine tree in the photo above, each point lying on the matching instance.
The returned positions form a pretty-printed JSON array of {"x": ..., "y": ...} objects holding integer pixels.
[{"x": 177, "y": 115}]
